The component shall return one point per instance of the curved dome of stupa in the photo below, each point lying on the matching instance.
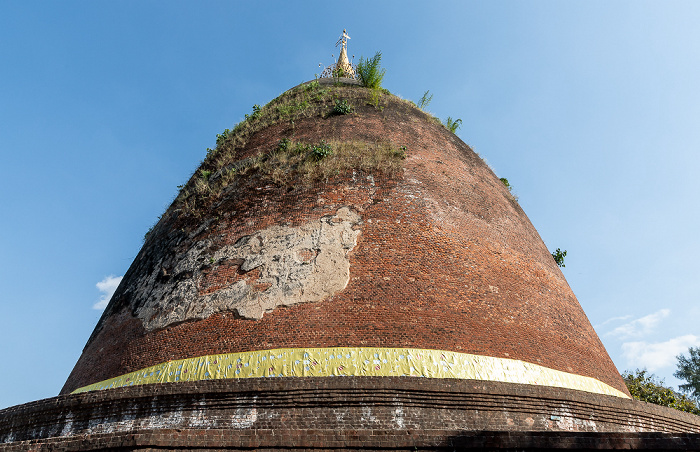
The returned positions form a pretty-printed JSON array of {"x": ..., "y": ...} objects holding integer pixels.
[{"x": 377, "y": 237}]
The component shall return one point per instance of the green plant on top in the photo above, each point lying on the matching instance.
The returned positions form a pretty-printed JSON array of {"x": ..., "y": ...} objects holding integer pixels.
[
  {"x": 369, "y": 71},
  {"x": 150, "y": 230},
  {"x": 339, "y": 72},
  {"x": 289, "y": 161},
  {"x": 289, "y": 109},
  {"x": 311, "y": 85},
  {"x": 342, "y": 107},
  {"x": 227, "y": 176},
  {"x": 559, "y": 256},
  {"x": 321, "y": 150},
  {"x": 453, "y": 124},
  {"x": 283, "y": 145},
  {"x": 256, "y": 113},
  {"x": 222, "y": 137},
  {"x": 509, "y": 187},
  {"x": 148, "y": 233},
  {"x": 305, "y": 163},
  {"x": 425, "y": 100},
  {"x": 375, "y": 96}
]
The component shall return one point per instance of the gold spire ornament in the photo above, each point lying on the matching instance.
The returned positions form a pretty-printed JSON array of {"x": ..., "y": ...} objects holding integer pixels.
[{"x": 343, "y": 67}]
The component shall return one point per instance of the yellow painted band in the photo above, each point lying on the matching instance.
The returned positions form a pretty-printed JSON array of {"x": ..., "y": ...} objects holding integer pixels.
[{"x": 355, "y": 362}]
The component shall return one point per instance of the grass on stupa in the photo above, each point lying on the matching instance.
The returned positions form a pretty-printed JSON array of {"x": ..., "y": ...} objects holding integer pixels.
[
  {"x": 289, "y": 162},
  {"x": 293, "y": 162}
]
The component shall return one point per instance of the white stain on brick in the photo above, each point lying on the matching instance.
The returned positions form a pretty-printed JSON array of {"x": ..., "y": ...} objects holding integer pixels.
[
  {"x": 111, "y": 425},
  {"x": 397, "y": 416},
  {"x": 287, "y": 265},
  {"x": 244, "y": 417},
  {"x": 199, "y": 418},
  {"x": 367, "y": 416},
  {"x": 68, "y": 425},
  {"x": 563, "y": 419}
]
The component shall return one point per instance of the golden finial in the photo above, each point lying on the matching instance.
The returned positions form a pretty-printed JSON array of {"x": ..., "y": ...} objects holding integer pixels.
[{"x": 343, "y": 67}]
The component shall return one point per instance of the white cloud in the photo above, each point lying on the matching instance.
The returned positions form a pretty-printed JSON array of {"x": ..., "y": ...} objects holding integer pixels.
[
  {"x": 613, "y": 319},
  {"x": 657, "y": 355},
  {"x": 641, "y": 326},
  {"x": 107, "y": 286}
]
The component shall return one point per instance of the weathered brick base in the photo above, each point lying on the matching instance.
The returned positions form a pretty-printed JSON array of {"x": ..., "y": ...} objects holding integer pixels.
[
  {"x": 377, "y": 440},
  {"x": 343, "y": 413}
]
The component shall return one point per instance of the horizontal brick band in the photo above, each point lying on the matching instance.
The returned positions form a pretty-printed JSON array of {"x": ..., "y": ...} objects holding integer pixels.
[{"x": 355, "y": 362}]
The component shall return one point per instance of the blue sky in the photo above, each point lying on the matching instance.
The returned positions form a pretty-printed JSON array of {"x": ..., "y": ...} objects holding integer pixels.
[{"x": 589, "y": 108}]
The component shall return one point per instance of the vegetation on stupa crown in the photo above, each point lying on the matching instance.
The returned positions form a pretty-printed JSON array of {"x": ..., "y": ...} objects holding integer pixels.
[
  {"x": 369, "y": 71},
  {"x": 453, "y": 124},
  {"x": 299, "y": 161},
  {"x": 425, "y": 100},
  {"x": 291, "y": 161}
]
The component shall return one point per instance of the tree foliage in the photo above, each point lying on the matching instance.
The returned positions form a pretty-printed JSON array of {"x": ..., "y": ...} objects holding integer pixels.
[
  {"x": 559, "y": 256},
  {"x": 689, "y": 370},
  {"x": 646, "y": 387},
  {"x": 371, "y": 75}
]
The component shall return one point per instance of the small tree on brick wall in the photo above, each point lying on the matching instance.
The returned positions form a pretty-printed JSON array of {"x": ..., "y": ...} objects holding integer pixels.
[{"x": 559, "y": 256}]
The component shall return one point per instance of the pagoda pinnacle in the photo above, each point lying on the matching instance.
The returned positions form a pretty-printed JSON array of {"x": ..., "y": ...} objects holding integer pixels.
[{"x": 343, "y": 67}]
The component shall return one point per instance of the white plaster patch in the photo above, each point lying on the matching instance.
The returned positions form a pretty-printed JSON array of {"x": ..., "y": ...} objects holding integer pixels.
[
  {"x": 244, "y": 417},
  {"x": 281, "y": 266},
  {"x": 398, "y": 417},
  {"x": 68, "y": 426},
  {"x": 198, "y": 418},
  {"x": 367, "y": 416},
  {"x": 340, "y": 416},
  {"x": 9, "y": 438},
  {"x": 102, "y": 425},
  {"x": 563, "y": 419}
]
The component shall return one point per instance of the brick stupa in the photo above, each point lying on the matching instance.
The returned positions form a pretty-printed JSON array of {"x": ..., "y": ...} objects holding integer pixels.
[{"x": 343, "y": 271}]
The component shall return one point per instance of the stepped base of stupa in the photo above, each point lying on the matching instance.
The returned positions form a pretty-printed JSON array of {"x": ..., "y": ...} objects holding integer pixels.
[{"x": 344, "y": 413}]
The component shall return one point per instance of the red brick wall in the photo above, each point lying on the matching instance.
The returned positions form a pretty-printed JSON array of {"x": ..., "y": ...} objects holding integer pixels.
[{"x": 446, "y": 260}]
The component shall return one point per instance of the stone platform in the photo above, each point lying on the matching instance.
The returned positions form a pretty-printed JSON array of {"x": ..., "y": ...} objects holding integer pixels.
[{"x": 344, "y": 413}]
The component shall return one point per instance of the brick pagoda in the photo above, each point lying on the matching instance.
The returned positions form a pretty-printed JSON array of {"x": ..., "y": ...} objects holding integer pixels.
[{"x": 343, "y": 272}]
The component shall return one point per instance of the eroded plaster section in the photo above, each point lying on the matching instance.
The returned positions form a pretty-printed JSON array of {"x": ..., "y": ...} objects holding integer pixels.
[{"x": 277, "y": 266}]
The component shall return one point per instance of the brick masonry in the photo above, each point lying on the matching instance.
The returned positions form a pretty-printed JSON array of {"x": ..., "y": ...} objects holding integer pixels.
[
  {"x": 345, "y": 413},
  {"x": 446, "y": 260}
]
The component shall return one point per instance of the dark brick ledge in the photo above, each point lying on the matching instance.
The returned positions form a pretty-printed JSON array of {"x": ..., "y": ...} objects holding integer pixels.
[
  {"x": 377, "y": 440},
  {"x": 376, "y": 413}
]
